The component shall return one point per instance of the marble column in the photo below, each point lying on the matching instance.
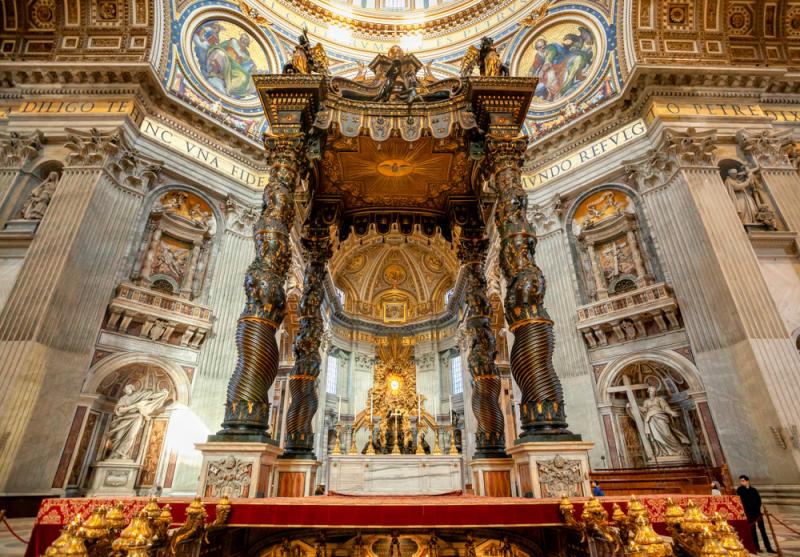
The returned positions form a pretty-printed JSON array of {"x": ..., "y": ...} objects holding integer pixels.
[
  {"x": 49, "y": 324},
  {"x": 213, "y": 367},
  {"x": 542, "y": 403},
  {"x": 766, "y": 147},
  {"x": 317, "y": 246},
  {"x": 749, "y": 365},
  {"x": 486, "y": 383},
  {"x": 247, "y": 403},
  {"x": 16, "y": 152}
]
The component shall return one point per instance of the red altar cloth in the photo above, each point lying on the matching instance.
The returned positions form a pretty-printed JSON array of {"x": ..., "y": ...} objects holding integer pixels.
[{"x": 380, "y": 512}]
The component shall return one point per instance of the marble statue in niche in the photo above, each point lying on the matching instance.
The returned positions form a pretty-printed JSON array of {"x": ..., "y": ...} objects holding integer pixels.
[
  {"x": 131, "y": 413},
  {"x": 748, "y": 196},
  {"x": 39, "y": 199},
  {"x": 665, "y": 439}
]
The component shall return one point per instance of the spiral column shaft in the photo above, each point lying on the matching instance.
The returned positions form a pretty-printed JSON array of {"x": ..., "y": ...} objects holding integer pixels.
[
  {"x": 303, "y": 377},
  {"x": 247, "y": 404},
  {"x": 490, "y": 434},
  {"x": 542, "y": 405}
]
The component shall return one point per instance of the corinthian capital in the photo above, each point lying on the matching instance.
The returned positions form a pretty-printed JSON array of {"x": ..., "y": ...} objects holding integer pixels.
[
  {"x": 17, "y": 149},
  {"x": 111, "y": 151},
  {"x": 239, "y": 217},
  {"x": 691, "y": 148},
  {"x": 767, "y": 147},
  {"x": 546, "y": 217}
]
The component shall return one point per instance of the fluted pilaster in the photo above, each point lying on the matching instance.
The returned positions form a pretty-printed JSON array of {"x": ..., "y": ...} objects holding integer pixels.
[
  {"x": 219, "y": 350},
  {"x": 736, "y": 333},
  {"x": 542, "y": 404},
  {"x": 49, "y": 324}
]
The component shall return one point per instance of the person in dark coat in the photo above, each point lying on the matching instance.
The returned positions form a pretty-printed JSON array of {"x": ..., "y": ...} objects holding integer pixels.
[
  {"x": 597, "y": 491},
  {"x": 751, "y": 501}
]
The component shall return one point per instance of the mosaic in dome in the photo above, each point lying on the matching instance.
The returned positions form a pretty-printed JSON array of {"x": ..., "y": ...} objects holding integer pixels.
[{"x": 225, "y": 56}]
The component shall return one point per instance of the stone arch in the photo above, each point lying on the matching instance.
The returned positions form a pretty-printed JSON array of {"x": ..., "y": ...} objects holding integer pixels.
[
  {"x": 679, "y": 386},
  {"x": 211, "y": 245},
  {"x": 112, "y": 364},
  {"x": 667, "y": 358}
]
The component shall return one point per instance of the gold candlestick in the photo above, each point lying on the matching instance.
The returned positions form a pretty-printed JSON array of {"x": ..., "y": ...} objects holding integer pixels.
[
  {"x": 453, "y": 450},
  {"x": 337, "y": 447},
  {"x": 353, "y": 449},
  {"x": 419, "y": 450},
  {"x": 371, "y": 447},
  {"x": 437, "y": 449},
  {"x": 396, "y": 447}
]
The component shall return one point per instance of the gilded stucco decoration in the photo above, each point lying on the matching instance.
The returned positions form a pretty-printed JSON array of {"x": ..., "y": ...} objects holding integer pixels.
[{"x": 392, "y": 278}]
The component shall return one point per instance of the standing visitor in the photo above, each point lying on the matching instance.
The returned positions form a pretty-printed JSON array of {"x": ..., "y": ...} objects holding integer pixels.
[
  {"x": 751, "y": 501},
  {"x": 597, "y": 491}
]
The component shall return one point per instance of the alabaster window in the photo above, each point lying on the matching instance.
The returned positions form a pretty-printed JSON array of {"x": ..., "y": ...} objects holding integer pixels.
[
  {"x": 332, "y": 381},
  {"x": 455, "y": 374}
]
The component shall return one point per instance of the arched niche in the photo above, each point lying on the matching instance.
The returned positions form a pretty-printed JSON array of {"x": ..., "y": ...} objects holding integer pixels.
[
  {"x": 654, "y": 411},
  {"x": 611, "y": 245},
  {"x": 27, "y": 204},
  {"x": 749, "y": 195},
  {"x": 153, "y": 447},
  {"x": 175, "y": 253}
]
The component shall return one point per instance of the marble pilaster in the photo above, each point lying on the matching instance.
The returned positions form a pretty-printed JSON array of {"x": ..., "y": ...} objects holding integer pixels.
[
  {"x": 749, "y": 366},
  {"x": 570, "y": 359},
  {"x": 49, "y": 323},
  {"x": 219, "y": 350}
]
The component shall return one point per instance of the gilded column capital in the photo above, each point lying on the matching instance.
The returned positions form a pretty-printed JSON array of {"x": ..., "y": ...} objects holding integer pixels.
[
  {"x": 505, "y": 152},
  {"x": 768, "y": 148},
  {"x": 16, "y": 150},
  {"x": 111, "y": 151}
]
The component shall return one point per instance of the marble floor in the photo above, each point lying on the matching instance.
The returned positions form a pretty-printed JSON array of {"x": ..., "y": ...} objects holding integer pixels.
[{"x": 789, "y": 541}]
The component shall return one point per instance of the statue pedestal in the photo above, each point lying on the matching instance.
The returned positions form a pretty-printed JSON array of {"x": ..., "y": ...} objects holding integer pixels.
[
  {"x": 295, "y": 477},
  {"x": 552, "y": 468},
  {"x": 493, "y": 477},
  {"x": 237, "y": 469},
  {"x": 114, "y": 477}
]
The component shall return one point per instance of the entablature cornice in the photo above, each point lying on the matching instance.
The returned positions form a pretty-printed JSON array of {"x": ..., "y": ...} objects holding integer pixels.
[{"x": 648, "y": 82}]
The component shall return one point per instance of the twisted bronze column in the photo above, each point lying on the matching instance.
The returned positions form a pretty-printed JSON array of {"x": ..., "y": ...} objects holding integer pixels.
[
  {"x": 303, "y": 377},
  {"x": 542, "y": 405},
  {"x": 247, "y": 405},
  {"x": 490, "y": 435}
]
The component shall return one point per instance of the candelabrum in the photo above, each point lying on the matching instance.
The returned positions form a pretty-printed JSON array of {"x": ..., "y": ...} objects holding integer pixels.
[
  {"x": 453, "y": 449},
  {"x": 337, "y": 447},
  {"x": 371, "y": 447},
  {"x": 396, "y": 447},
  {"x": 437, "y": 449},
  {"x": 420, "y": 449},
  {"x": 353, "y": 448}
]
